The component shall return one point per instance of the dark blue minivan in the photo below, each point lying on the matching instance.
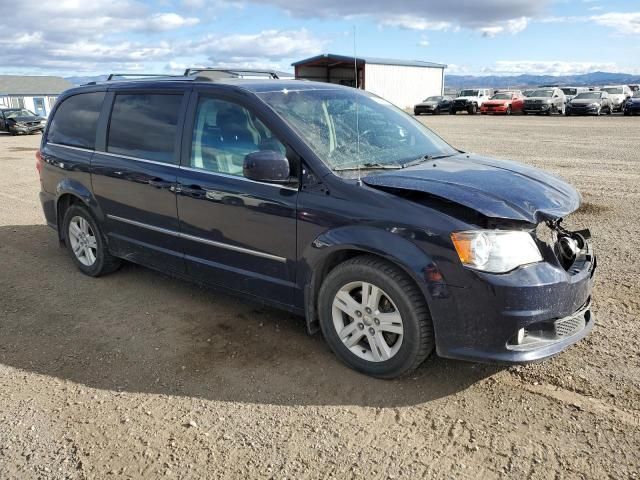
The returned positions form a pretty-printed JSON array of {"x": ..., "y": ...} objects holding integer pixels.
[{"x": 325, "y": 201}]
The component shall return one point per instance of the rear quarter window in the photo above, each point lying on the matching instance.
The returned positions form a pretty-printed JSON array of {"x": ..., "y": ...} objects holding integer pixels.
[
  {"x": 75, "y": 121},
  {"x": 144, "y": 126}
]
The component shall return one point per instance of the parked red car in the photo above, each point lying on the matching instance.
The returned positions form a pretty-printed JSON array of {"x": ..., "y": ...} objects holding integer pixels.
[{"x": 503, "y": 102}]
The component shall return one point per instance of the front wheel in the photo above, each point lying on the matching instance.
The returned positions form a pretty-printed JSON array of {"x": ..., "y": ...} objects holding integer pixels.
[
  {"x": 86, "y": 243},
  {"x": 508, "y": 112},
  {"x": 374, "y": 318}
]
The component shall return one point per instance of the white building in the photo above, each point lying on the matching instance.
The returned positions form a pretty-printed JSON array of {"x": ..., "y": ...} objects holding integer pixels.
[
  {"x": 402, "y": 82},
  {"x": 35, "y": 93}
]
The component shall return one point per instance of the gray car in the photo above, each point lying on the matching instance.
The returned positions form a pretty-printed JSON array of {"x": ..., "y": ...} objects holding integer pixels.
[
  {"x": 590, "y": 103},
  {"x": 545, "y": 100}
]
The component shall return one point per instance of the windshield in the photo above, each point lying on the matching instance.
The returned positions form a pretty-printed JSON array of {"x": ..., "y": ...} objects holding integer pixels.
[
  {"x": 541, "y": 93},
  {"x": 569, "y": 91},
  {"x": 19, "y": 112},
  {"x": 588, "y": 95},
  {"x": 501, "y": 96},
  {"x": 351, "y": 128},
  {"x": 613, "y": 90},
  {"x": 432, "y": 99},
  {"x": 469, "y": 93}
]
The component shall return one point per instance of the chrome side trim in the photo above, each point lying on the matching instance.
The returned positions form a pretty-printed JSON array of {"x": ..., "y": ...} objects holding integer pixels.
[
  {"x": 237, "y": 177},
  {"x": 88, "y": 150},
  {"x": 198, "y": 239},
  {"x": 137, "y": 159}
]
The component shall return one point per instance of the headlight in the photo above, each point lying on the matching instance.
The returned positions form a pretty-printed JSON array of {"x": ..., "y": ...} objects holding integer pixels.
[
  {"x": 495, "y": 251},
  {"x": 594, "y": 104}
]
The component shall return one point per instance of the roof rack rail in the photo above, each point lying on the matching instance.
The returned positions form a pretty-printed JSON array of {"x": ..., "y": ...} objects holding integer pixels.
[
  {"x": 216, "y": 73},
  {"x": 142, "y": 75}
]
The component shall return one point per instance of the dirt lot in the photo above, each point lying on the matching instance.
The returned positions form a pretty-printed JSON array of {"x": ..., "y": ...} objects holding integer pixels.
[{"x": 139, "y": 375}]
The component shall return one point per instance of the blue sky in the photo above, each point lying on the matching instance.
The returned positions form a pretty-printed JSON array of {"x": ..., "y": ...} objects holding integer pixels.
[{"x": 86, "y": 37}]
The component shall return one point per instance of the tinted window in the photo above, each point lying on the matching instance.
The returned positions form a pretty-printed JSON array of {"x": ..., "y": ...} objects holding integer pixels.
[
  {"x": 224, "y": 133},
  {"x": 144, "y": 126},
  {"x": 75, "y": 120}
]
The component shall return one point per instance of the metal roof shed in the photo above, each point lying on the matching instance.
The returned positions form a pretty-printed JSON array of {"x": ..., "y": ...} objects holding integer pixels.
[{"x": 402, "y": 82}]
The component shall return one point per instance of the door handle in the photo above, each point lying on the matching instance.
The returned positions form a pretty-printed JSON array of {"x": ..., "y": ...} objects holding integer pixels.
[
  {"x": 195, "y": 191},
  {"x": 159, "y": 183}
]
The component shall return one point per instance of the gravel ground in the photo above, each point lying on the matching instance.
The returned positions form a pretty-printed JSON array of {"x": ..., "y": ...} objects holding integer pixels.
[{"x": 137, "y": 375}]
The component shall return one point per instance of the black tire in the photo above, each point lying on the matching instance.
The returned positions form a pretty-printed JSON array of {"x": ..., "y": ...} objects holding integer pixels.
[
  {"x": 105, "y": 262},
  {"x": 436, "y": 111},
  {"x": 473, "y": 109},
  {"x": 508, "y": 112},
  {"x": 418, "y": 338}
]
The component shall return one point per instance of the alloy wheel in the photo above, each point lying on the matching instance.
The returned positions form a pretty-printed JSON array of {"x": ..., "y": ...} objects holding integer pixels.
[
  {"x": 83, "y": 241},
  {"x": 367, "y": 321}
]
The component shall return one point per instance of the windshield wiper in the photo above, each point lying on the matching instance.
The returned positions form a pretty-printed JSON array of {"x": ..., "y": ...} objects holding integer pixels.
[
  {"x": 424, "y": 159},
  {"x": 369, "y": 166}
]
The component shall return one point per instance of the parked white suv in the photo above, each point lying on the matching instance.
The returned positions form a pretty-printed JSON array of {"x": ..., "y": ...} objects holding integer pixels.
[
  {"x": 470, "y": 100},
  {"x": 619, "y": 94}
]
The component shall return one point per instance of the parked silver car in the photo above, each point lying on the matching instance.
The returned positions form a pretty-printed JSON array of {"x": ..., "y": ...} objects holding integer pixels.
[{"x": 545, "y": 100}]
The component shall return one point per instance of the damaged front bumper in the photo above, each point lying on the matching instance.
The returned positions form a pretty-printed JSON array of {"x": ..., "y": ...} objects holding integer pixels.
[{"x": 529, "y": 314}]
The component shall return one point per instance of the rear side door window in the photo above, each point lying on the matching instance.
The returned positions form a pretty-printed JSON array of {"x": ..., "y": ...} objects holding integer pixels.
[
  {"x": 145, "y": 126},
  {"x": 75, "y": 120}
]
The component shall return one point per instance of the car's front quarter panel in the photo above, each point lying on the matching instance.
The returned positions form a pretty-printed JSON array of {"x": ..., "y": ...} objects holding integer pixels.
[{"x": 350, "y": 217}]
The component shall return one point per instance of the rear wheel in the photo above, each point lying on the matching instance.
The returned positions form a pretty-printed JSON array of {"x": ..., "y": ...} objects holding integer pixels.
[
  {"x": 86, "y": 243},
  {"x": 374, "y": 318},
  {"x": 473, "y": 109}
]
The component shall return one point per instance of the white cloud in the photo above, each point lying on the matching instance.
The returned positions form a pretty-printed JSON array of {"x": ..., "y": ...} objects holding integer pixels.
[
  {"x": 424, "y": 42},
  {"x": 409, "y": 22},
  {"x": 83, "y": 36},
  {"x": 624, "y": 23},
  {"x": 265, "y": 45},
  {"x": 512, "y": 26},
  {"x": 490, "y": 17}
]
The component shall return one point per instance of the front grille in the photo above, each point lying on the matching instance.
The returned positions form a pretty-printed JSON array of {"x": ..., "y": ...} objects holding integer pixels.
[
  {"x": 568, "y": 326},
  {"x": 460, "y": 102},
  {"x": 540, "y": 334}
]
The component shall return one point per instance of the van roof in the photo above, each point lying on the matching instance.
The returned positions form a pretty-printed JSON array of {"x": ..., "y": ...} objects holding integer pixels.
[{"x": 260, "y": 85}]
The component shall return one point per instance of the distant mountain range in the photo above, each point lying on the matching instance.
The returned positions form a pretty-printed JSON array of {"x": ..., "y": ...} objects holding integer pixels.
[{"x": 495, "y": 81}]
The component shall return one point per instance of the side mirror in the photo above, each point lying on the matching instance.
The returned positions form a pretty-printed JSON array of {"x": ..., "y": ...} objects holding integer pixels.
[{"x": 266, "y": 166}]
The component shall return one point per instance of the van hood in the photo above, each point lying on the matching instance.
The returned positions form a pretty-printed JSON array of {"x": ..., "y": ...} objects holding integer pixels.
[{"x": 494, "y": 188}]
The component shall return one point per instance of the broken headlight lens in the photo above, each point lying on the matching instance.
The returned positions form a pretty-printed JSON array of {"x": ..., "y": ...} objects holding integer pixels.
[{"x": 495, "y": 251}]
